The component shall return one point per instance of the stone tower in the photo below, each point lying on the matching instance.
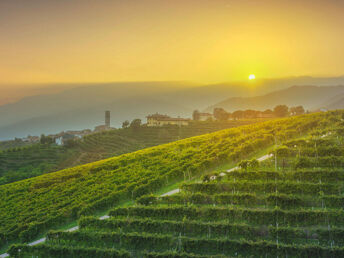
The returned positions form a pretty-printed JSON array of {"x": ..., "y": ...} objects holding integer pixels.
[{"x": 107, "y": 118}]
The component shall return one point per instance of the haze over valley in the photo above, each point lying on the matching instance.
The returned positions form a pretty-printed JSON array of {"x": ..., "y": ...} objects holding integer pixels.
[{"x": 82, "y": 106}]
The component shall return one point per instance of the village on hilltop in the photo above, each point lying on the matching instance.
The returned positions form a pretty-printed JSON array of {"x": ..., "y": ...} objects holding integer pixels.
[{"x": 157, "y": 120}]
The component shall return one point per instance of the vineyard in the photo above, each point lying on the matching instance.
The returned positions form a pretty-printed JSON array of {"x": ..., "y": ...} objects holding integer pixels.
[
  {"x": 116, "y": 142},
  {"x": 290, "y": 205},
  {"x": 20, "y": 162},
  {"x": 29, "y": 161}
]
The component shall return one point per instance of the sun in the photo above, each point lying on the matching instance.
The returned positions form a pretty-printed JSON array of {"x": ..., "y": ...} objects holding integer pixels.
[{"x": 252, "y": 77}]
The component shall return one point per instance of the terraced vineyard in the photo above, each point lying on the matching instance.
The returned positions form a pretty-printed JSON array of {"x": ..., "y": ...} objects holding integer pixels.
[
  {"x": 287, "y": 207},
  {"x": 116, "y": 142},
  {"x": 24, "y": 162},
  {"x": 33, "y": 160}
]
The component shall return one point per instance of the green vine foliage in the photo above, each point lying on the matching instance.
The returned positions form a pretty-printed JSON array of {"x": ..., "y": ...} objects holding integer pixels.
[{"x": 291, "y": 205}]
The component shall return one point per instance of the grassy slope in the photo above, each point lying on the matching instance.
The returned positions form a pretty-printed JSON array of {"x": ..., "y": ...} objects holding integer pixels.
[
  {"x": 57, "y": 198},
  {"x": 24, "y": 162}
]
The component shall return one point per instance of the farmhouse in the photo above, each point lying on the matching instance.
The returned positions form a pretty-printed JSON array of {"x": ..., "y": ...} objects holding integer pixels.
[{"x": 161, "y": 120}]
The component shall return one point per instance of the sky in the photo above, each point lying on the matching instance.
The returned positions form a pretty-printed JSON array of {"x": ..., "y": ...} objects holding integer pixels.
[{"x": 57, "y": 41}]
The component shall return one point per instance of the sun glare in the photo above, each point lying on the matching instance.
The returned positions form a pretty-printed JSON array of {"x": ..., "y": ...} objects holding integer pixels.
[{"x": 252, "y": 77}]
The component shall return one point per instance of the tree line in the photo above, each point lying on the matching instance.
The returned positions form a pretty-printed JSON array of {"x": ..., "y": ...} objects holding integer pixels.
[{"x": 278, "y": 111}]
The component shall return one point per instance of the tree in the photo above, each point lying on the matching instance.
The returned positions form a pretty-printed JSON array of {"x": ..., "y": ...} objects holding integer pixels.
[
  {"x": 70, "y": 143},
  {"x": 196, "y": 115},
  {"x": 125, "y": 124},
  {"x": 17, "y": 139},
  {"x": 135, "y": 124},
  {"x": 281, "y": 111},
  {"x": 250, "y": 113},
  {"x": 238, "y": 114},
  {"x": 46, "y": 139},
  {"x": 295, "y": 111},
  {"x": 220, "y": 114}
]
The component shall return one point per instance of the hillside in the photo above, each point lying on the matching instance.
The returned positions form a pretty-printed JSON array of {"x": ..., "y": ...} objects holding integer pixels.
[
  {"x": 337, "y": 102},
  {"x": 31, "y": 207},
  {"x": 5, "y": 145},
  {"x": 81, "y": 106},
  {"x": 23, "y": 162},
  {"x": 310, "y": 97},
  {"x": 33, "y": 160},
  {"x": 260, "y": 211}
]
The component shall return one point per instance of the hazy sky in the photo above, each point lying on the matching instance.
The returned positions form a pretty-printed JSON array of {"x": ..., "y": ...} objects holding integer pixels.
[{"x": 197, "y": 40}]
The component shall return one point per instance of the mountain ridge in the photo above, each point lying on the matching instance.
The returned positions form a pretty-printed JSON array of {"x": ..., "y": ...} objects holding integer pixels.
[
  {"x": 308, "y": 96},
  {"x": 83, "y": 107}
]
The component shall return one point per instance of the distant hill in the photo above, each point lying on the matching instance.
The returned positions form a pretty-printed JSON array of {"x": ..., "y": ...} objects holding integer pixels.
[
  {"x": 84, "y": 106},
  {"x": 308, "y": 96},
  {"x": 81, "y": 106},
  {"x": 203, "y": 96},
  {"x": 337, "y": 102}
]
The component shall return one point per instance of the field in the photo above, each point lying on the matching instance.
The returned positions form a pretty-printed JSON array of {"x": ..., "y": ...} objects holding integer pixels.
[
  {"x": 19, "y": 162},
  {"x": 277, "y": 208}
]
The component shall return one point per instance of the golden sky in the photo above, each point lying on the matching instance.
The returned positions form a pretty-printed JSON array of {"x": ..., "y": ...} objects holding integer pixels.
[{"x": 48, "y": 41}]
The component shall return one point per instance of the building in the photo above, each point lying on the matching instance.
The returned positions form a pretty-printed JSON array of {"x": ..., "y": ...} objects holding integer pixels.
[
  {"x": 64, "y": 138},
  {"x": 105, "y": 126},
  {"x": 101, "y": 128},
  {"x": 205, "y": 116},
  {"x": 161, "y": 120},
  {"x": 31, "y": 139}
]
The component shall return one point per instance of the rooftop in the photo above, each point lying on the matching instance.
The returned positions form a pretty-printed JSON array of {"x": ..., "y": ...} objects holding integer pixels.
[{"x": 160, "y": 117}]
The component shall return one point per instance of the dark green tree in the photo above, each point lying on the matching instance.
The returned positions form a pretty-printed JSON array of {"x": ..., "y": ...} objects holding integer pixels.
[
  {"x": 135, "y": 124},
  {"x": 239, "y": 114},
  {"x": 281, "y": 111},
  {"x": 125, "y": 124},
  {"x": 295, "y": 111},
  {"x": 46, "y": 139},
  {"x": 220, "y": 114}
]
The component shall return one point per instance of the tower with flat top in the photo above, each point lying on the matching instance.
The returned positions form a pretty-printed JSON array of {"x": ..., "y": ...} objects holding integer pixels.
[{"x": 107, "y": 118}]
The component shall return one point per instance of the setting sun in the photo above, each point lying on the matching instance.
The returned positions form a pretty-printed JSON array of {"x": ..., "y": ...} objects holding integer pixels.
[{"x": 252, "y": 77}]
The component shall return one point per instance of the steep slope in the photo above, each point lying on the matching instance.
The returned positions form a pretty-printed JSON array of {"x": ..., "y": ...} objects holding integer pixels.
[
  {"x": 308, "y": 96},
  {"x": 32, "y": 206},
  {"x": 24, "y": 162}
]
